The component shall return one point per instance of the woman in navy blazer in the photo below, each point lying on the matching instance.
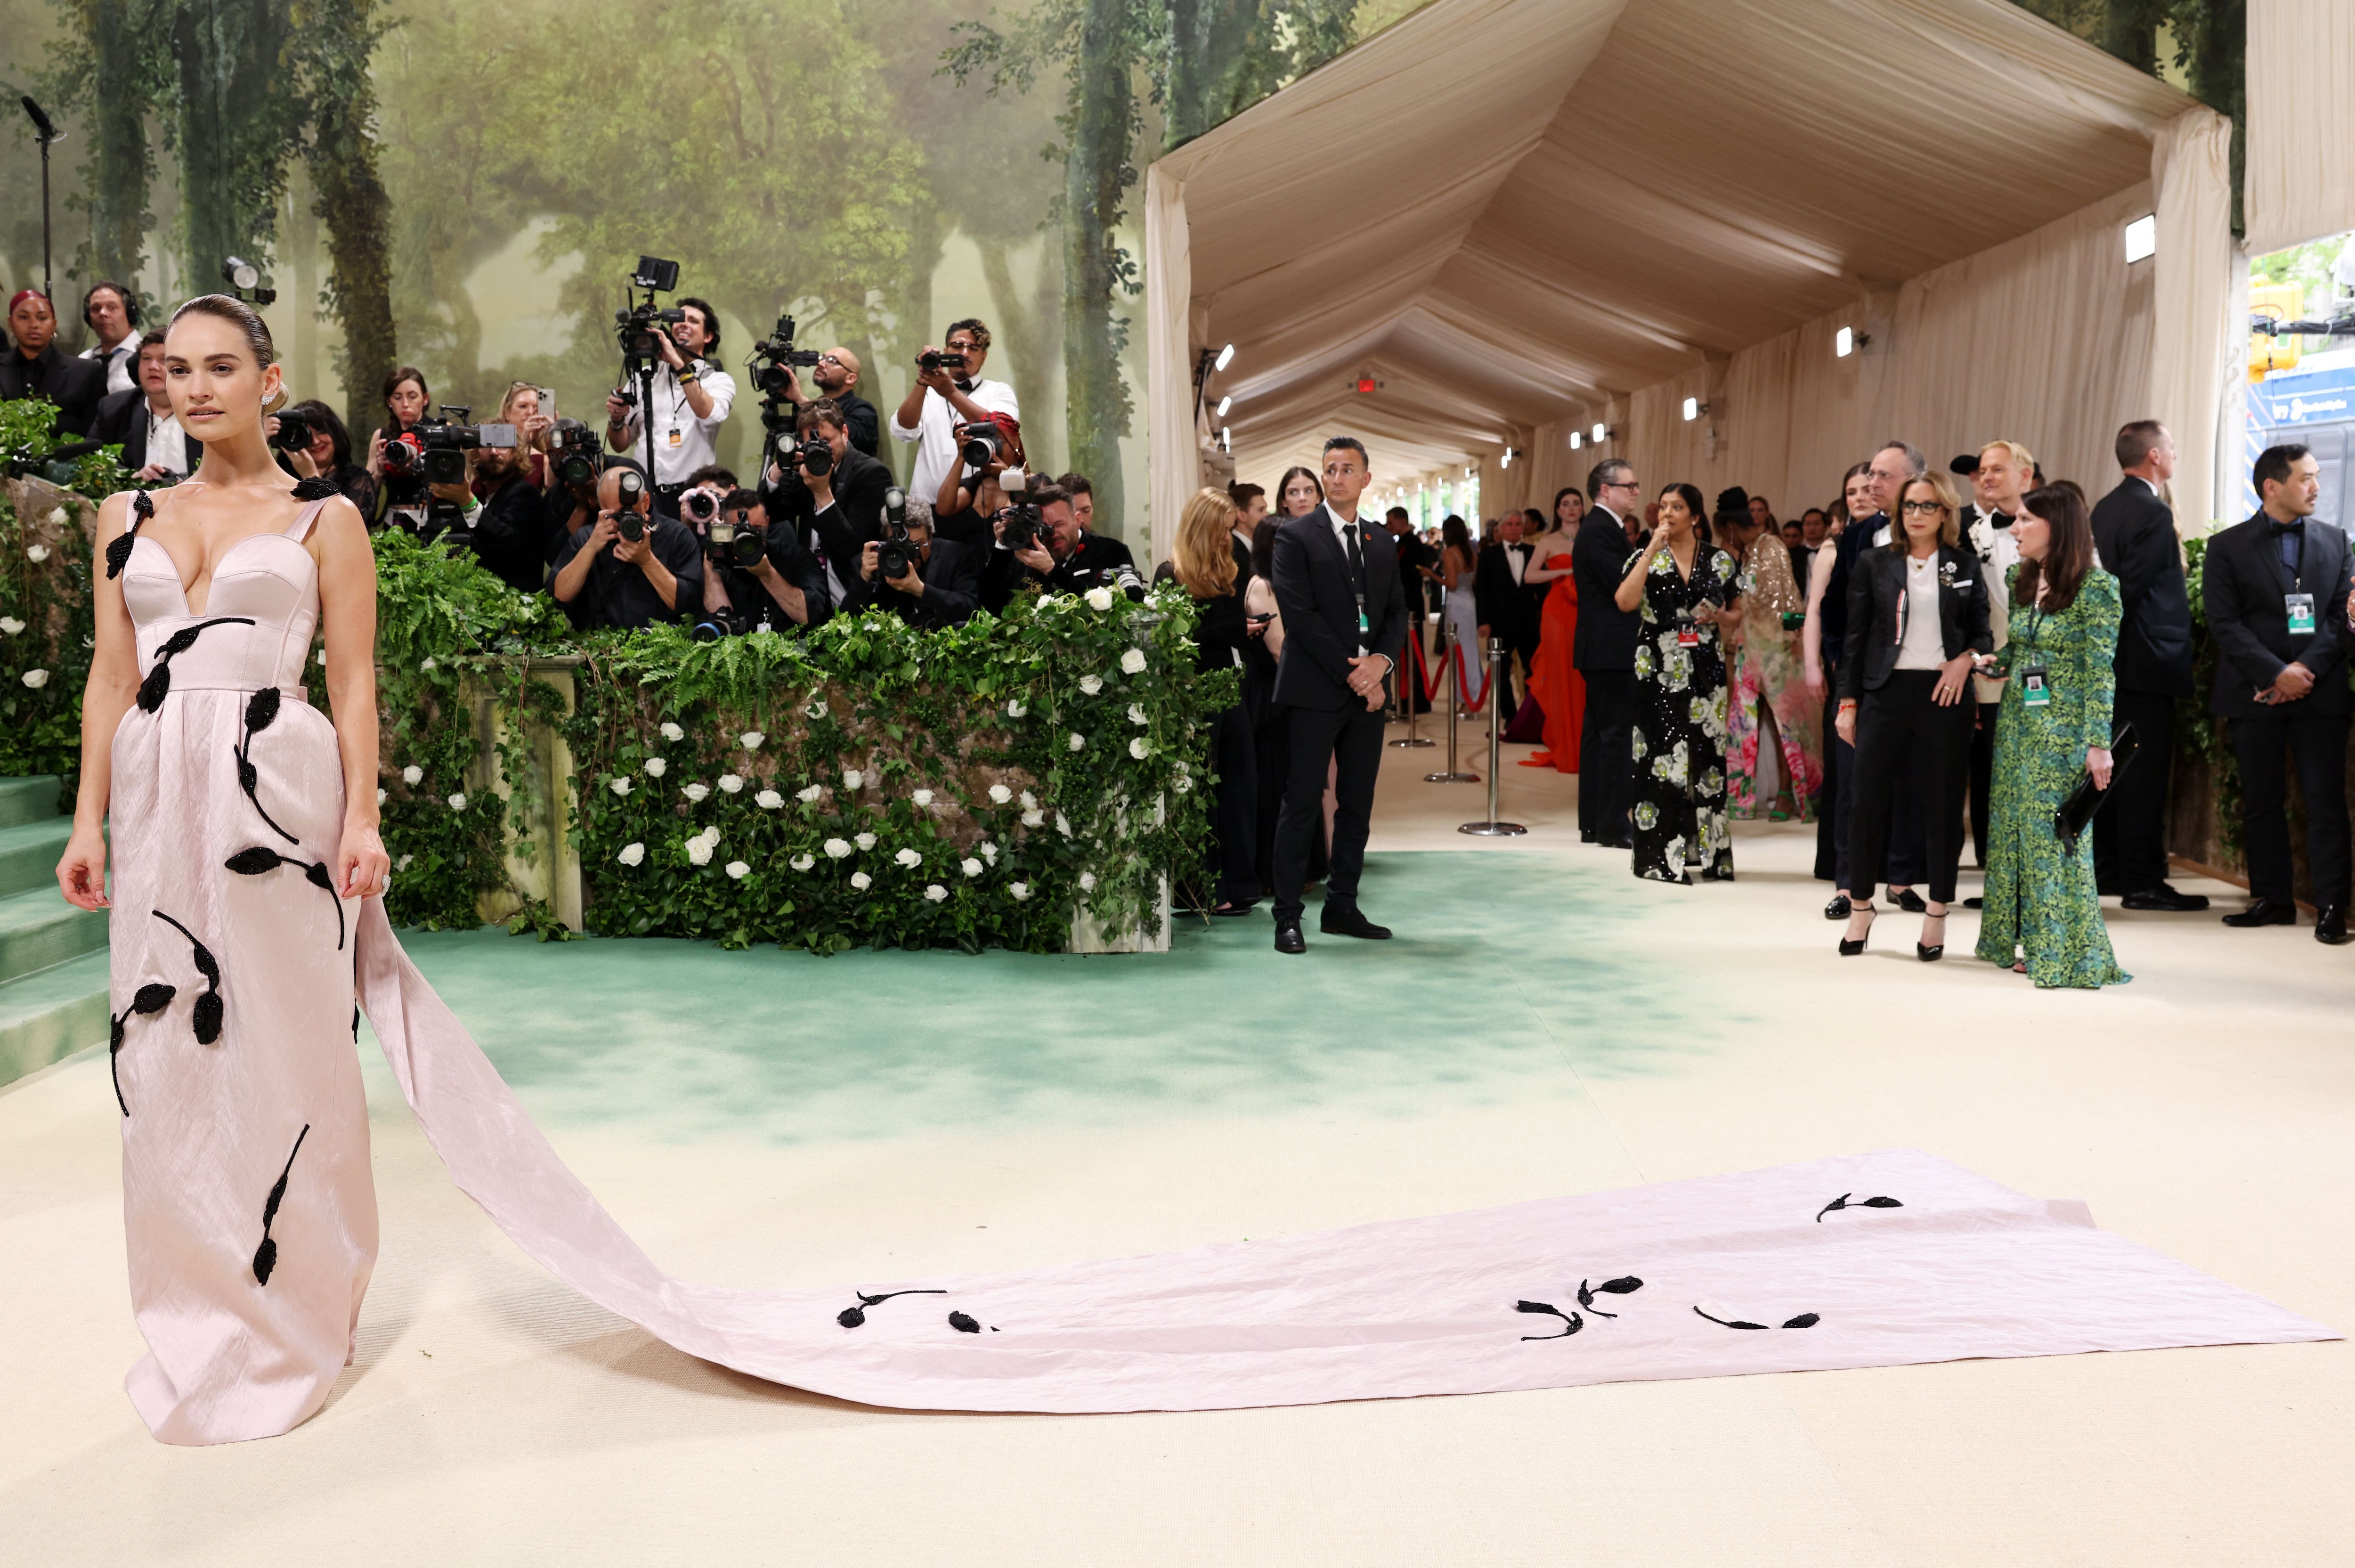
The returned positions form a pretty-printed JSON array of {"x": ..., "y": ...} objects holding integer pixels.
[{"x": 1917, "y": 623}]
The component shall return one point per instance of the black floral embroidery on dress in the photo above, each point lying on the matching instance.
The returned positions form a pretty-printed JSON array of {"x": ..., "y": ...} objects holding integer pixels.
[
  {"x": 207, "y": 1010},
  {"x": 1626, "y": 1284},
  {"x": 852, "y": 1317},
  {"x": 1804, "y": 1320},
  {"x": 265, "y": 1256},
  {"x": 1848, "y": 1201},
  {"x": 153, "y": 997},
  {"x": 118, "y": 549},
  {"x": 261, "y": 858},
  {"x": 158, "y": 683},
  {"x": 261, "y": 711},
  {"x": 318, "y": 487}
]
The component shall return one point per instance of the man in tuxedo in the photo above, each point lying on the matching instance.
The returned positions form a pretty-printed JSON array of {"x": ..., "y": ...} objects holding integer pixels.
[
  {"x": 1507, "y": 608},
  {"x": 1604, "y": 652},
  {"x": 2134, "y": 531},
  {"x": 2276, "y": 592},
  {"x": 1336, "y": 580}
]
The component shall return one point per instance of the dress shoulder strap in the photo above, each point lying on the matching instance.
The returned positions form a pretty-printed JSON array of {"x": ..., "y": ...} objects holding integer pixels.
[{"x": 314, "y": 494}]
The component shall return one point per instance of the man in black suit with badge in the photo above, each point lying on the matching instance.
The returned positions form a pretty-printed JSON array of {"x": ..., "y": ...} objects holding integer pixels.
[
  {"x": 1336, "y": 580},
  {"x": 1604, "y": 652},
  {"x": 2134, "y": 531},
  {"x": 2275, "y": 591}
]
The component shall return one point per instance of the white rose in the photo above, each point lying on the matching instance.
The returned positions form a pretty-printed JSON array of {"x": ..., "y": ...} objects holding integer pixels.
[
  {"x": 56, "y": 517},
  {"x": 1098, "y": 598},
  {"x": 802, "y": 862},
  {"x": 413, "y": 775},
  {"x": 864, "y": 840},
  {"x": 1020, "y": 891},
  {"x": 835, "y": 848},
  {"x": 402, "y": 865},
  {"x": 36, "y": 678},
  {"x": 632, "y": 854},
  {"x": 924, "y": 799},
  {"x": 458, "y": 802},
  {"x": 712, "y": 832},
  {"x": 671, "y": 732},
  {"x": 817, "y": 709},
  {"x": 1087, "y": 881},
  {"x": 768, "y": 800},
  {"x": 729, "y": 784},
  {"x": 380, "y": 793},
  {"x": 751, "y": 739},
  {"x": 1079, "y": 742},
  {"x": 11, "y": 626},
  {"x": 810, "y": 795},
  {"x": 1136, "y": 714},
  {"x": 988, "y": 851},
  {"x": 969, "y": 866},
  {"x": 37, "y": 554},
  {"x": 737, "y": 870},
  {"x": 657, "y": 767},
  {"x": 935, "y": 892},
  {"x": 1090, "y": 684},
  {"x": 862, "y": 880},
  {"x": 1034, "y": 817},
  {"x": 1029, "y": 800},
  {"x": 1063, "y": 824},
  {"x": 696, "y": 792},
  {"x": 428, "y": 666},
  {"x": 1139, "y": 750},
  {"x": 1183, "y": 785},
  {"x": 698, "y": 850},
  {"x": 909, "y": 858},
  {"x": 1132, "y": 661},
  {"x": 853, "y": 779},
  {"x": 1016, "y": 709},
  {"x": 999, "y": 795}
]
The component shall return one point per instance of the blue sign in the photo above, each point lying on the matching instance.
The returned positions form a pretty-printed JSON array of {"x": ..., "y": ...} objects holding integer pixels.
[{"x": 2317, "y": 397}]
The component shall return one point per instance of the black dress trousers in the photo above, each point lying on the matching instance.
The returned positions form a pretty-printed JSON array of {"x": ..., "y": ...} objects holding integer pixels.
[
  {"x": 2318, "y": 741},
  {"x": 1909, "y": 748},
  {"x": 1606, "y": 756},
  {"x": 1351, "y": 736},
  {"x": 2130, "y": 826}
]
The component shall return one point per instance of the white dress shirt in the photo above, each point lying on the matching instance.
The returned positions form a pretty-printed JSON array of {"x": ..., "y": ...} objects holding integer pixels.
[
  {"x": 122, "y": 363},
  {"x": 936, "y": 431},
  {"x": 683, "y": 442},
  {"x": 167, "y": 443}
]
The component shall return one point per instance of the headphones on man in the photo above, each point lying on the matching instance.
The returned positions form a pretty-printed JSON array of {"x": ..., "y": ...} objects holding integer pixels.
[{"x": 130, "y": 303}]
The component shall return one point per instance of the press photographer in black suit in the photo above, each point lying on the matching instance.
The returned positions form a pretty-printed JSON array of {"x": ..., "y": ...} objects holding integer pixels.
[
  {"x": 834, "y": 374},
  {"x": 941, "y": 584},
  {"x": 835, "y": 511},
  {"x": 2134, "y": 531},
  {"x": 604, "y": 578},
  {"x": 1067, "y": 558},
  {"x": 2276, "y": 592},
  {"x": 1604, "y": 652},
  {"x": 1337, "y": 586},
  {"x": 784, "y": 587},
  {"x": 1507, "y": 608}
]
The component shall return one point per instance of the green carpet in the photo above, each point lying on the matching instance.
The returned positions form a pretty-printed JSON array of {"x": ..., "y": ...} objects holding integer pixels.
[{"x": 1508, "y": 972}]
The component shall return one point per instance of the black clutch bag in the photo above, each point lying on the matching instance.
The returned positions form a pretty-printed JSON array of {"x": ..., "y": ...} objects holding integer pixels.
[{"x": 2069, "y": 822}]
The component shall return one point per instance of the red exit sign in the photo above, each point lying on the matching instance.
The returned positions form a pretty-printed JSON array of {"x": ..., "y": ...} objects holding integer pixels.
[{"x": 1365, "y": 383}]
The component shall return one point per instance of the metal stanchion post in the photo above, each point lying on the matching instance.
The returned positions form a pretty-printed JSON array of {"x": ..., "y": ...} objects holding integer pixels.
[
  {"x": 1455, "y": 706},
  {"x": 1492, "y": 828},
  {"x": 1410, "y": 687}
]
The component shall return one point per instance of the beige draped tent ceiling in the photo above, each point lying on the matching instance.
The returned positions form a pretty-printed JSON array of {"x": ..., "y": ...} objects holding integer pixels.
[{"x": 1524, "y": 217}]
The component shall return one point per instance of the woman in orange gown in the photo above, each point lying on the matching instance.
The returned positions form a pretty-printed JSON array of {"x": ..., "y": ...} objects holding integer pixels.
[{"x": 1554, "y": 680}]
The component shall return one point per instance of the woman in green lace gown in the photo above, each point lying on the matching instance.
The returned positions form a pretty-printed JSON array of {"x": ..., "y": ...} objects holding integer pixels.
[{"x": 2043, "y": 916}]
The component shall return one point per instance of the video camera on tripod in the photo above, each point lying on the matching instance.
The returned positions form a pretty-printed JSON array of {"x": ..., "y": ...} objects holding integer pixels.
[
  {"x": 771, "y": 364},
  {"x": 433, "y": 452}
]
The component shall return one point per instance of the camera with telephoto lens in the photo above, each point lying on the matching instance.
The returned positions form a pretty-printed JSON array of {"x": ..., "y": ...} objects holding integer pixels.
[
  {"x": 1123, "y": 579},
  {"x": 696, "y": 507},
  {"x": 735, "y": 541},
  {"x": 930, "y": 363},
  {"x": 573, "y": 446},
  {"x": 1021, "y": 525},
  {"x": 896, "y": 553},
  {"x": 294, "y": 433},
  {"x": 774, "y": 355},
  {"x": 980, "y": 441},
  {"x": 628, "y": 523}
]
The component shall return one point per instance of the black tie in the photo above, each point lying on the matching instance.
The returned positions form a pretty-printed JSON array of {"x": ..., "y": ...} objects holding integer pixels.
[{"x": 1356, "y": 558}]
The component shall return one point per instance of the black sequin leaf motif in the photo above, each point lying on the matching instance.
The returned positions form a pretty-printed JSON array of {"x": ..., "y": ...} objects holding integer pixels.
[
  {"x": 261, "y": 858},
  {"x": 118, "y": 549},
  {"x": 208, "y": 1006},
  {"x": 1850, "y": 1200},
  {"x": 1573, "y": 1321},
  {"x": 265, "y": 1256},
  {"x": 261, "y": 708},
  {"x": 318, "y": 487},
  {"x": 1626, "y": 1285},
  {"x": 963, "y": 1324},
  {"x": 153, "y": 997},
  {"x": 852, "y": 1317},
  {"x": 1804, "y": 1320},
  {"x": 158, "y": 683}
]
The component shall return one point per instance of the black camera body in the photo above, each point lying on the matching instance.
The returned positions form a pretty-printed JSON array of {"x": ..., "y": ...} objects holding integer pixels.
[
  {"x": 1025, "y": 528},
  {"x": 896, "y": 553},
  {"x": 572, "y": 446},
  {"x": 713, "y": 624},
  {"x": 447, "y": 440},
  {"x": 773, "y": 355},
  {"x": 433, "y": 520},
  {"x": 737, "y": 543},
  {"x": 930, "y": 363},
  {"x": 977, "y": 444},
  {"x": 698, "y": 508},
  {"x": 295, "y": 434},
  {"x": 636, "y": 326}
]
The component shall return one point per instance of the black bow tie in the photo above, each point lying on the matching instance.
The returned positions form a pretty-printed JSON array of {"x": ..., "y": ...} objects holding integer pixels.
[
  {"x": 2296, "y": 526},
  {"x": 2000, "y": 519}
]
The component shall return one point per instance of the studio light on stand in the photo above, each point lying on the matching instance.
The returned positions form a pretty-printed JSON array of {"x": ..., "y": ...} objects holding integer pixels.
[
  {"x": 44, "y": 132},
  {"x": 244, "y": 280}
]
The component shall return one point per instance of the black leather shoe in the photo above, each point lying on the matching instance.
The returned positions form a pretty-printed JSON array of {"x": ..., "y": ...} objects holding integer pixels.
[
  {"x": 1348, "y": 920},
  {"x": 1910, "y": 901},
  {"x": 1838, "y": 909},
  {"x": 1974, "y": 901},
  {"x": 2165, "y": 900},
  {"x": 1586, "y": 835},
  {"x": 2265, "y": 912},
  {"x": 2330, "y": 925},
  {"x": 1288, "y": 938},
  {"x": 1850, "y": 949},
  {"x": 1713, "y": 875},
  {"x": 1616, "y": 843}
]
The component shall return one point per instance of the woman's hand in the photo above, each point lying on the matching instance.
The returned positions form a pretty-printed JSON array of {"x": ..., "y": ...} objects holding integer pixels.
[
  {"x": 303, "y": 465},
  {"x": 1953, "y": 677},
  {"x": 376, "y": 454},
  {"x": 362, "y": 869},
  {"x": 1818, "y": 688},
  {"x": 1846, "y": 722},
  {"x": 2097, "y": 762},
  {"x": 81, "y": 874}
]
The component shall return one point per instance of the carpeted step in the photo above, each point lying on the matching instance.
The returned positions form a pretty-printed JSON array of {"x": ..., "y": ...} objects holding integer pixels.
[
  {"x": 28, "y": 854},
  {"x": 38, "y": 929},
  {"x": 32, "y": 799},
  {"x": 48, "y": 1016}
]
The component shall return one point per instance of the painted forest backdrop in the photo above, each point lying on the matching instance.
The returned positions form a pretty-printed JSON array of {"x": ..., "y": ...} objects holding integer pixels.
[{"x": 464, "y": 187}]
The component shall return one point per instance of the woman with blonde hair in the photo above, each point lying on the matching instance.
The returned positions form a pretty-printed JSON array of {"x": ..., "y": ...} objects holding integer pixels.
[{"x": 1203, "y": 564}]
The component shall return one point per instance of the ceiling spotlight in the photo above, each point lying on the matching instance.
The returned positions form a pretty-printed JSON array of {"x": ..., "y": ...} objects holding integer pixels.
[
  {"x": 2142, "y": 238},
  {"x": 1224, "y": 404},
  {"x": 1695, "y": 408},
  {"x": 1846, "y": 342},
  {"x": 1576, "y": 440},
  {"x": 1602, "y": 434},
  {"x": 1226, "y": 357}
]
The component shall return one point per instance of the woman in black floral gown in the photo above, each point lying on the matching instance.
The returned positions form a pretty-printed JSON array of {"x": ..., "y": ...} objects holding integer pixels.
[{"x": 1685, "y": 588}]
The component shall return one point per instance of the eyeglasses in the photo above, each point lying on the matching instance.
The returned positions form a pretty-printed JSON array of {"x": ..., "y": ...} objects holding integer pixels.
[
  {"x": 830, "y": 359},
  {"x": 1922, "y": 508}
]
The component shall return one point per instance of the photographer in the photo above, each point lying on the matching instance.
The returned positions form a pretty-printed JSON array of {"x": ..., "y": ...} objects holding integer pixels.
[
  {"x": 511, "y": 528},
  {"x": 834, "y": 374},
  {"x": 1061, "y": 560},
  {"x": 948, "y": 392},
  {"x": 606, "y": 578},
  {"x": 691, "y": 399},
  {"x": 755, "y": 577},
  {"x": 833, "y": 494},
  {"x": 971, "y": 496},
  {"x": 323, "y": 442},
  {"x": 406, "y": 399},
  {"x": 940, "y": 582}
]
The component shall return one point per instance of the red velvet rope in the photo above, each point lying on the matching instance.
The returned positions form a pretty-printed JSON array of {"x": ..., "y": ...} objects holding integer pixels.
[{"x": 1486, "y": 677}]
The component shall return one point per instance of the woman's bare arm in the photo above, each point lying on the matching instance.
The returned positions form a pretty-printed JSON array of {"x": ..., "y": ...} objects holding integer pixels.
[
  {"x": 107, "y": 696},
  {"x": 347, "y": 611}
]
